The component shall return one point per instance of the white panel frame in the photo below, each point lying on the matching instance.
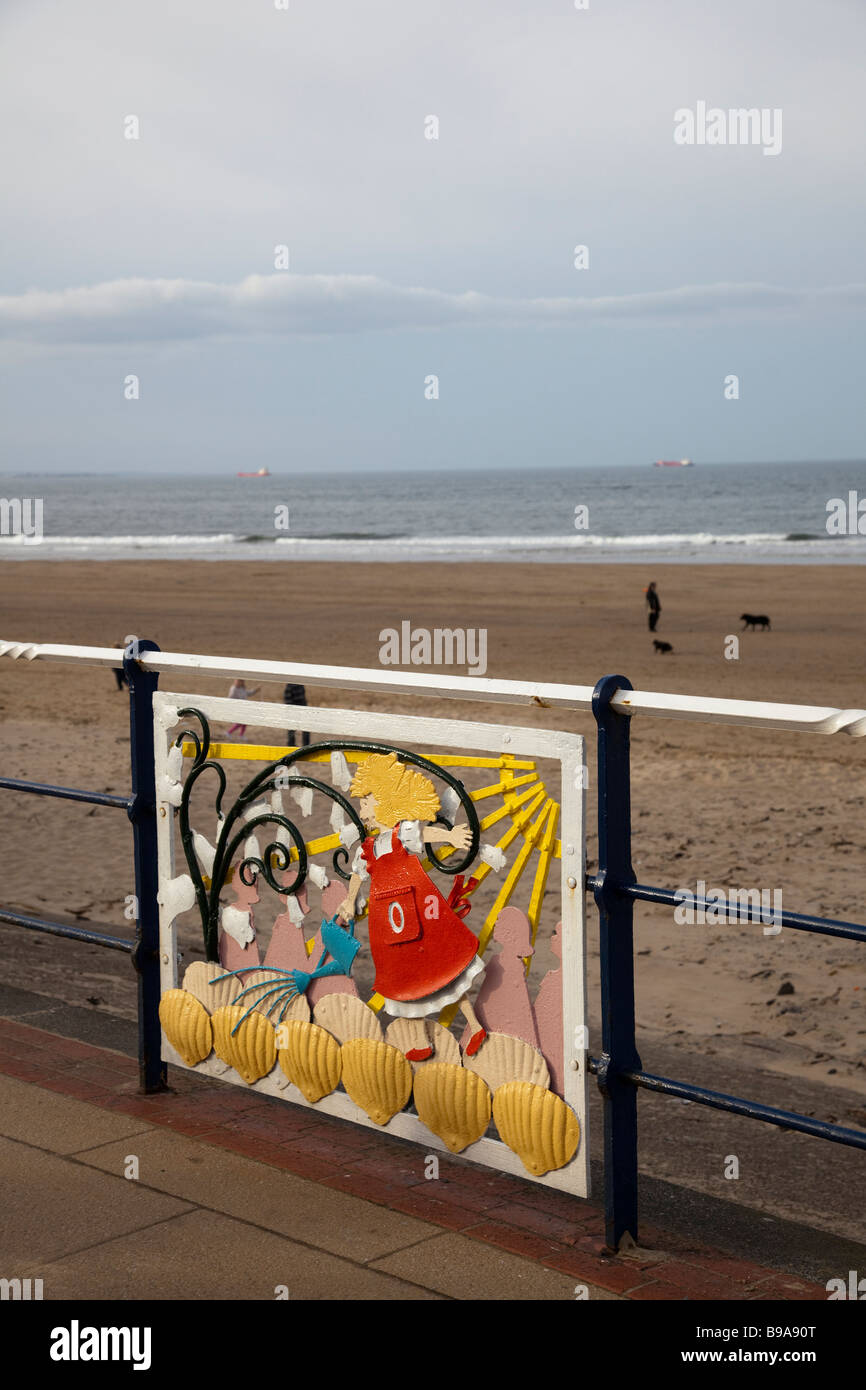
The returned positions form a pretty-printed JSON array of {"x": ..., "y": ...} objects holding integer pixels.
[{"x": 566, "y": 749}]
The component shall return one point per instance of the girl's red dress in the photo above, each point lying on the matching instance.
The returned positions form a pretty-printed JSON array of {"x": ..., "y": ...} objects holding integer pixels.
[{"x": 418, "y": 943}]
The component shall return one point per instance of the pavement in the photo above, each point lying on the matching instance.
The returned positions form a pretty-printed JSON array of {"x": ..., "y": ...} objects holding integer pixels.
[{"x": 213, "y": 1191}]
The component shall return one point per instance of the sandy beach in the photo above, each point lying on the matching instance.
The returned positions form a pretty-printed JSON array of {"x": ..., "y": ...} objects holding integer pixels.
[{"x": 731, "y": 807}]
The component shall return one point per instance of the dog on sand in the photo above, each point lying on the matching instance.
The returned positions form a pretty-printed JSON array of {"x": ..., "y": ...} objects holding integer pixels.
[
  {"x": 662, "y": 646},
  {"x": 754, "y": 621}
]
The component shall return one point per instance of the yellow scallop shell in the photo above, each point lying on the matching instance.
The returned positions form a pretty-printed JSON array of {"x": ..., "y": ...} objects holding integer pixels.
[
  {"x": 539, "y": 1127},
  {"x": 210, "y": 984},
  {"x": 377, "y": 1077},
  {"x": 347, "y": 1017},
  {"x": 310, "y": 1057},
  {"x": 252, "y": 1051},
  {"x": 453, "y": 1103},
  {"x": 186, "y": 1024},
  {"x": 503, "y": 1058}
]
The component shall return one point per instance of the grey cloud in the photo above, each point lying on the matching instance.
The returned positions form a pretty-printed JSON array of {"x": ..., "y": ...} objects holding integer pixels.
[{"x": 158, "y": 310}]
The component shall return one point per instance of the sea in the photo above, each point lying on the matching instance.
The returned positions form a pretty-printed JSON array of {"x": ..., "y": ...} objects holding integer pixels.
[{"x": 763, "y": 513}]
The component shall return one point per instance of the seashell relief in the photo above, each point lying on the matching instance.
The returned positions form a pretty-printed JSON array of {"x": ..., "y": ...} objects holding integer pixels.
[{"x": 454, "y": 1095}]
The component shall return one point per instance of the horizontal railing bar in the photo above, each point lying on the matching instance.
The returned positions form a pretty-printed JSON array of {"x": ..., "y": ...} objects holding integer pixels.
[
  {"x": 759, "y": 714},
  {"x": 41, "y": 924},
  {"x": 754, "y": 713},
  {"x": 797, "y": 921},
  {"x": 717, "y": 1100},
  {"x": 13, "y": 784}
]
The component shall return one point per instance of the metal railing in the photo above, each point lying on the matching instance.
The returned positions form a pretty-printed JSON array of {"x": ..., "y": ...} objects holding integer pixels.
[
  {"x": 619, "y": 1069},
  {"x": 140, "y": 807},
  {"x": 613, "y": 703}
]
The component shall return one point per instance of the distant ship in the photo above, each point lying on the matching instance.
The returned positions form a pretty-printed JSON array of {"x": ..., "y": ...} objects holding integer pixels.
[
  {"x": 674, "y": 463},
  {"x": 259, "y": 473}
]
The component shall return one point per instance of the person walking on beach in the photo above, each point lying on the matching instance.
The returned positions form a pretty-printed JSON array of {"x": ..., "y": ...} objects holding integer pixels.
[
  {"x": 240, "y": 691},
  {"x": 655, "y": 607},
  {"x": 296, "y": 695}
]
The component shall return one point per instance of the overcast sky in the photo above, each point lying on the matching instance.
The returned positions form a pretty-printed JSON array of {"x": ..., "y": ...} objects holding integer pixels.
[{"x": 408, "y": 257}]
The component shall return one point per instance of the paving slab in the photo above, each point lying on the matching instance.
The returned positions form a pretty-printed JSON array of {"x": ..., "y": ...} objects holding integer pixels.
[
  {"x": 203, "y": 1255},
  {"x": 468, "y": 1270},
  {"x": 329, "y": 1175},
  {"x": 52, "y": 1207},
  {"x": 284, "y": 1203},
  {"x": 58, "y": 1123}
]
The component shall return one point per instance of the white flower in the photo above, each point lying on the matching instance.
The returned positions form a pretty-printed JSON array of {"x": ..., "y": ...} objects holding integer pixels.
[
  {"x": 493, "y": 855},
  {"x": 340, "y": 774},
  {"x": 176, "y": 895},
  {"x": 318, "y": 876},
  {"x": 205, "y": 852},
  {"x": 236, "y": 923},
  {"x": 450, "y": 803}
]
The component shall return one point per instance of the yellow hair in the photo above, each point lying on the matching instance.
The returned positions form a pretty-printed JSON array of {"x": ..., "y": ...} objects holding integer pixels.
[{"x": 401, "y": 793}]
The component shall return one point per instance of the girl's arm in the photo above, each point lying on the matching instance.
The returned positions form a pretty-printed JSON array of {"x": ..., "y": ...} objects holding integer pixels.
[
  {"x": 460, "y": 837},
  {"x": 346, "y": 910}
]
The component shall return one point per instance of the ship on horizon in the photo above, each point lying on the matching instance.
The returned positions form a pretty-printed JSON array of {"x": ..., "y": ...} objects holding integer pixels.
[
  {"x": 674, "y": 463},
  {"x": 259, "y": 473}
]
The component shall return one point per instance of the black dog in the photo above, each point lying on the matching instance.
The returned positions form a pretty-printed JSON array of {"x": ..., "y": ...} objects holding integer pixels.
[
  {"x": 662, "y": 646},
  {"x": 753, "y": 621}
]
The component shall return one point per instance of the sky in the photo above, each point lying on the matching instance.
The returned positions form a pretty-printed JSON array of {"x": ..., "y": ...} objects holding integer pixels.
[{"x": 306, "y": 127}]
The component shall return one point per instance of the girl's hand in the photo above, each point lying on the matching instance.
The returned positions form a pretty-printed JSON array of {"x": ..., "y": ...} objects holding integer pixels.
[
  {"x": 461, "y": 837},
  {"x": 346, "y": 910}
]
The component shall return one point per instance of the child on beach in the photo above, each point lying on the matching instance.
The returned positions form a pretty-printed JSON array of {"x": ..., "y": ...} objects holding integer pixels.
[
  {"x": 239, "y": 691},
  {"x": 425, "y": 957}
]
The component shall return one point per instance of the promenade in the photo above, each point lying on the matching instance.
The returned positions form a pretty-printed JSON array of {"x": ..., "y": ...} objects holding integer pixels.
[{"x": 239, "y": 1196}]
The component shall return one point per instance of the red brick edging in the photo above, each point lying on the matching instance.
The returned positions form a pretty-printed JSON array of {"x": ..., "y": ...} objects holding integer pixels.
[{"x": 558, "y": 1231}]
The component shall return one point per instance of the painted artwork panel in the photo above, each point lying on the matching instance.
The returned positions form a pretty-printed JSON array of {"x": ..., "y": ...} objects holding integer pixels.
[{"x": 388, "y": 923}]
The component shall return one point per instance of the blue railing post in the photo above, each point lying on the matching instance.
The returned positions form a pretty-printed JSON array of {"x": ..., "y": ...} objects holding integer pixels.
[
  {"x": 142, "y": 813},
  {"x": 616, "y": 946}
]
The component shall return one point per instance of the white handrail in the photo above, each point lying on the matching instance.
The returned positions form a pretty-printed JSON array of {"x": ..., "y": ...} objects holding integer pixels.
[{"x": 755, "y": 713}]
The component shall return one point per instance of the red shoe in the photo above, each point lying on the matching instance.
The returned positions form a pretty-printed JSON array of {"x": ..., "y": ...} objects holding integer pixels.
[
  {"x": 475, "y": 1042},
  {"x": 419, "y": 1054}
]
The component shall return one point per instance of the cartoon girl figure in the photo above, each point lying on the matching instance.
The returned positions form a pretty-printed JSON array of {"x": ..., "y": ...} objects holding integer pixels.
[{"x": 425, "y": 957}]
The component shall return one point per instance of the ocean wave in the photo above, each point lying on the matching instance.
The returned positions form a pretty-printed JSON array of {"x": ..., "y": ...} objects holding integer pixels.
[
  {"x": 400, "y": 548},
  {"x": 129, "y": 542},
  {"x": 567, "y": 542}
]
